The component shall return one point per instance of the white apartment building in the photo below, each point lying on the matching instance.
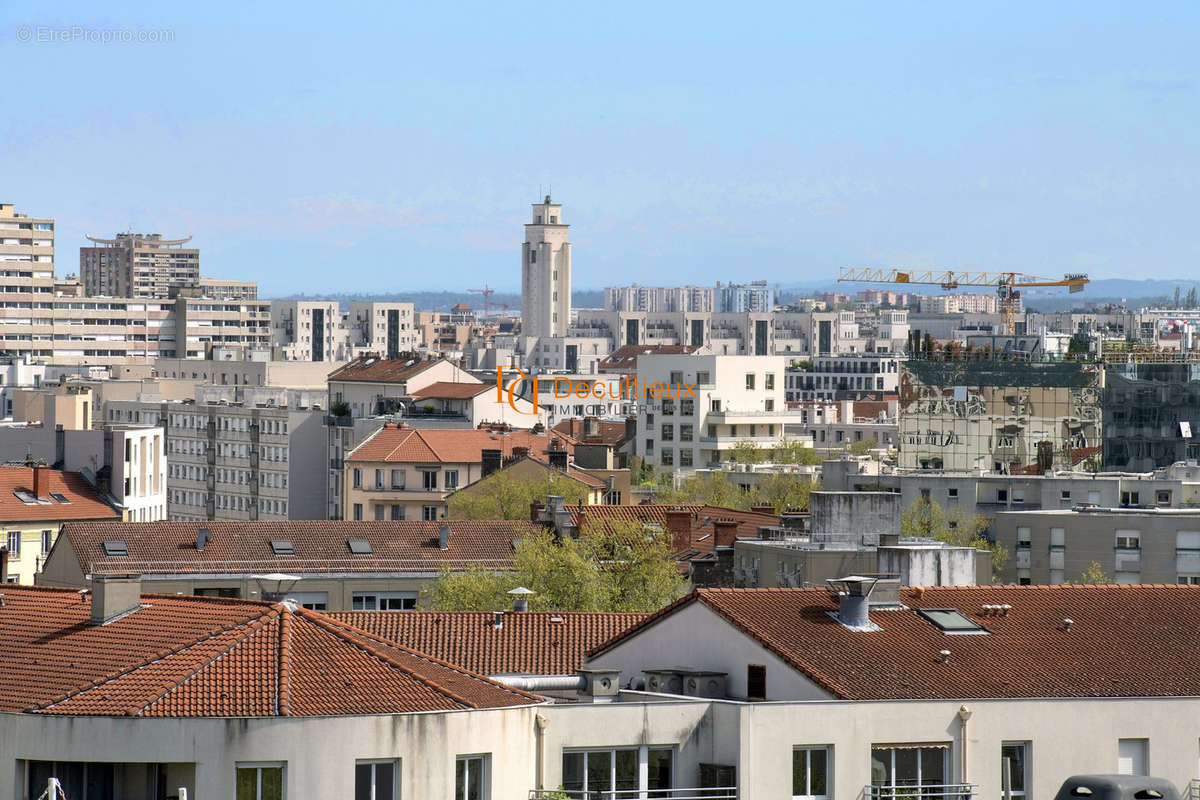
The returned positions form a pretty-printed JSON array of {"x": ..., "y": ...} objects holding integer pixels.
[
  {"x": 382, "y": 327},
  {"x": 238, "y": 453},
  {"x": 850, "y": 376},
  {"x": 309, "y": 330},
  {"x": 729, "y": 399},
  {"x": 546, "y": 273},
  {"x": 659, "y": 298}
]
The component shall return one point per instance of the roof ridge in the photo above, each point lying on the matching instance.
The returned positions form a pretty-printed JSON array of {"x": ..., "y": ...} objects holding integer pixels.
[
  {"x": 283, "y": 688},
  {"x": 263, "y": 623},
  {"x": 331, "y": 624},
  {"x": 154, "y": 658}
]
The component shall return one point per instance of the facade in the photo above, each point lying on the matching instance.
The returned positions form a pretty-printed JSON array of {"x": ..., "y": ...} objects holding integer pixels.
[
  {"x": 546, "y": 273},
  {"x": 309, "y": 330},
  {"x": 26, "y": 282},
  {"x": 323, "y": 565},
  {"x": 37, "y": 502},
  {"x": 1005, "y": 417},
  {"x": 979, "y": 303},
  {"x": 847, "y": 377},
  {"x": 383, "y": 327},
  {"x": 660, "y": 298},
  {"x": 227, "y": 289},
  {"x": 739, "y": 298},
  {"x": 142, "y": 265},
  {"x": 405, "y": 473},
  {"x": 238, "y": 453},
  {"x": 715, "y": 402},
  {"x": 1151, "y": 414},
  {"x": 1131, "y": 545}
]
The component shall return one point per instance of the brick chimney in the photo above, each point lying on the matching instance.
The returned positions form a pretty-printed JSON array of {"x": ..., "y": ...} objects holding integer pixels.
[
  {"x": 726, "y": 532},
  {"x": 763, "y": 508},
  {"x": 3, "y": 564},
  {"x": 40, "y": 481},
  {"x": 679, "y": 523}
]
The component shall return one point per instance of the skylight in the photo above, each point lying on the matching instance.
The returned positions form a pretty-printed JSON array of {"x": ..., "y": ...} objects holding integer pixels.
[
  {"x": 950, "y": 620},
  {"x": 115, "y": 548},
  {"x": 283, "y": 547},
  {"x": 60, "y": 497},
  {"x": 359, "y": 547}
]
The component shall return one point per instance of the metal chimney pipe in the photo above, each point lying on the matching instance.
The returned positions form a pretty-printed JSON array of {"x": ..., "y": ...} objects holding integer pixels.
[{"x": 520, "y": 596}]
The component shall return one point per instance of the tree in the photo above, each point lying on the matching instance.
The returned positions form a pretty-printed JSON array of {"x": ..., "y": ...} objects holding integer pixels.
[
  {"x": 747, "y": 453},
  {"x": 1191, "y": 297},
  {"x": 712, "y": 489},
  {"x": 618, "y": 566},
  {"x": 862, "y": 447},
  {"x": 501, "y": 496},
  {"x": 927, "y": 519},
  {"x": 1176, "y": 303},
  {"x": 1094, "y": 575},
  {"x": 794, "y": 451},
  {"x": 782, "y": 490}
]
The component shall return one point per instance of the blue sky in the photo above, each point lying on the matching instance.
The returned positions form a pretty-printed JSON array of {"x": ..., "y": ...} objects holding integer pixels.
[{"x": 389, "y": 147}]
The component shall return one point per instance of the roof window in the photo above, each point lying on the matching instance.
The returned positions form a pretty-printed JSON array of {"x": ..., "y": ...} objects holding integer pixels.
[
  {"x": 115, "y": 548},
  {"x": 359, "y": 547},
  {"x": 283, "y": 547},
  {"x": 949, "y": 620}
]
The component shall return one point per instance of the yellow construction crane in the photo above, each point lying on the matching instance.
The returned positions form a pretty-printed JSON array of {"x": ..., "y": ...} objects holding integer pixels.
[{"x": 1008, "y": 284}]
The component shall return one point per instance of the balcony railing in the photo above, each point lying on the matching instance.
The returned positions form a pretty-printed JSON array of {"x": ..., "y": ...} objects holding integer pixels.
[
  {"x": 1192, "y": 792},
  {"x": 948, "y": 791},
  {"x": 713, "y": 793}
]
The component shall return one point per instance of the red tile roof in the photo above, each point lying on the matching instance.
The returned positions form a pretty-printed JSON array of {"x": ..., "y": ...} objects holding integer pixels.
[
  {"x": 610, "y": 433},
  {"x": 319, "y": 545},
  {"x": 1124, "y": 641},
  {"x": 374, "y": 369},
  {"x": 702, "y": 538},
  {"x": 446, "y": 445},
  {"x": 450, "y": 390},
  {"x": 536, "y": 643},
  {"x": 84, "y": 502},
  {"x": 205, "y": 657}
]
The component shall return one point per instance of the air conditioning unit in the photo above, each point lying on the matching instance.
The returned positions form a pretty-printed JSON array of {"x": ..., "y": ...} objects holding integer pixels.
[
  {"x": 699, "y": 683},
  {"x": 664, "y": 681}
]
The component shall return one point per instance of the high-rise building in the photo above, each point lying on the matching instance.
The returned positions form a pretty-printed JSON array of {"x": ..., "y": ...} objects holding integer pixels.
[
  {"x": 756, "y": 296},
  {"x": 138, "y": 265},
  {"x": 546, "y": 273}
]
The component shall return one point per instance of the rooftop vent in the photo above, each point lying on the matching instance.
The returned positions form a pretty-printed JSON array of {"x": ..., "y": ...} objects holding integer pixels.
[
  {"x": 283, "y": 547},
  {"x": 520, "y": 596},
  {"x": 202, "y": 537},
  {"x": 853, "y": 595},
  {"x": 444, "y": 537},
  {"x": 115, "y": 548},
  {"x": 359, "y": 547}
]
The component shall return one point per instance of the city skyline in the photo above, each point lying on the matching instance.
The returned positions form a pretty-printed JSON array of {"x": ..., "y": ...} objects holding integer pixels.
[{"x": 716, "y": 144}]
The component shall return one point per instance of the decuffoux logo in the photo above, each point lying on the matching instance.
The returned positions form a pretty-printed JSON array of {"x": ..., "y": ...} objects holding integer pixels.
[{"x": 624, "y": 388}]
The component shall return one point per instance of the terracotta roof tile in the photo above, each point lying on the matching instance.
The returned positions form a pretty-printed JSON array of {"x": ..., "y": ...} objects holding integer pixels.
[
  {"x": 537, "y": 643},
  {"x": 624, "y": 358},
  {"x": 319, "y": 546},
  {"x": 1124, "y": 641},
  {"x": 84, "y": 502},
  {"x": 374, "y": 369},
  {"x": 610, "y": 433},
  {"x": 204, "y": 657},
  {"x": 453, "y": 391},
  {"x": 446, "y": 445}
]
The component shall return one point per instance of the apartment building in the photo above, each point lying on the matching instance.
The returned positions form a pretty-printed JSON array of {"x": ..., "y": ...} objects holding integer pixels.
[
  {"x": 832, "y": 426},
  {"x": 227, "y": 289},
  {"x": 142, "y": 265},
  {"x": 400, "y": 472},
  {"x": 1131, "y": 545},
  {"x": 26, "y": 279},
  {"x": 238, "y": 453},
  {"x": 776, "y": 693},
  {"x": 37, "y": 502},
  {"x": 707, "y": 405},
  {"x": 977, "y": 303},
  {"x": 309, "y": 330},
  {"x": 742, "y": 297},
  {"x": 857, "y": 376},
  {"x": 659, "y": 298},
  {"x": 383, "y": 327}
]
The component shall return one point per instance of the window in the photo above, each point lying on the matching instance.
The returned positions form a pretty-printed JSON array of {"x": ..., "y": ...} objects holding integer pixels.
[
  {"x": 676, "y": 378},
  {"x": 667, "y": 432},
  {"x": 949, "y": 620},
  {"x": 749, "y": 380},
  {"x": 649, "y": 446},
  {"x": 217, "y": 591},
  {"x": 375, "y": 780},
  {"x": 429, "y": 479},
  {"x": 595, "y": 772},
  {"x": 1024, "y": 542},
  {"x": 1018, "y": 495},
  {"x": 380, "y": 510},
  {"x": 769, "y": 404},
  {"x": 357, "y": 478},
  {"x": 451, "y": 479},
  {"x": 1066, "y": 494},
  {"x": 1132, "y": 756},
  {"x": 397, "y": 479},
  {"x": 894, "y": 768},
  {"x": 14, "y": 544},
  {"x": 313, "y": 601},
  {"x": 769, "y": 380},
  {"x": 952, "y": 493},
  {"x": 384, "y": 601},
  {"x": 756, "y": 682},
  {"x": 378, "y": 479},
  {"x": 47, "y": 541},
  {"x": 687, "y": 407},
  {"x": 358, "y": 512},
  {"x": 429, "y": 513},
  {"x": 810, "y": 773},
  {"x": 1128, "y": 540},
  {"x": 1163, "y": 497},
  {"x": 1130, "y": 499},
  {"x": 260, "y": 781},
  {"x": 114, "y": 548},
  {"x": 1002, "y": 495},
  {"x": 1014, "y": 769},
  {"x": 686, "y": 433},
  {"x": 703, "y": 379},
  {"x": 470, "y": 778},
  {"x": 667, "y": 457},
  {"x": 283, "y": 547},
  {"x": 397, "y": 512}
]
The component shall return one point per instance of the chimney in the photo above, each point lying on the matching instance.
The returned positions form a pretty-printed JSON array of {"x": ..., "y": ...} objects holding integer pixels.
[
  {"x": 202, "y": 537},
  {"x": 535, "y": 511},
  {"x": 40, "y": 480},
  {"x": 631, "y": 427},
  {"x": 679, "y": 525},
  {"x": 444, "y": 537},
  {"x": 763, "y": 508},
  {"x": 726, "y": 532},
  {"x": 520, "y": 596},
  {"x": 854, "y": 601},
  {"x": 114, "y": 596},
  {"x": 591, "y": 428},
  {"x": 4, "y": 564}
]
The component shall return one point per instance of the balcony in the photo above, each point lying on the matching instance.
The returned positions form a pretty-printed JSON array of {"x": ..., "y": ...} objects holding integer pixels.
[
  {"x": 694, "y": 793},
  {"x": 948, "y": 791}
]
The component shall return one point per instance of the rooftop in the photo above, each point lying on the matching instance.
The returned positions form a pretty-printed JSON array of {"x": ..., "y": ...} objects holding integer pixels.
[
  {"x": 316, "y": 546},
  {"x": 625, "y": 357},
  {"x": 449, "y": 390},
  {"x": 402, "y": 444},
  {"x": 531, "y": 642},
  {"x": 207, "y": 657},
  {"x": 65, "y": 496},
  {"x": 1123, "y": 641},
  {"x": 381, "y": 370}
]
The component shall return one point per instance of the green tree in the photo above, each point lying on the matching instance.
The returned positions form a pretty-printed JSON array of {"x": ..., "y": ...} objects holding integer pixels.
[
  {"x": 1176, "y": 303},
  {"x": 1093, "y": 575},
  {"x": 794, "y": 451},
  {"x": 501, "y": 496},
  {"x": 783, "y": 491},
  {"x": 712, "y": 489},
  {"x": 862, "y": 447},
  {"x": 615, "y": 567},
  {"x": 745, "y": 452},
  {"x": 927, "y": 519}
]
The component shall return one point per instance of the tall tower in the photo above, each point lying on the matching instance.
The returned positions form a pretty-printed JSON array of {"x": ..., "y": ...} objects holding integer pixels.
[{"x": 546, "y": 273}]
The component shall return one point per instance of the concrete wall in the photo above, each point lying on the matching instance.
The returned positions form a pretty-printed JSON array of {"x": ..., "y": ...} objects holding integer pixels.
[{"x": 862, "y": 516}]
